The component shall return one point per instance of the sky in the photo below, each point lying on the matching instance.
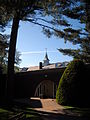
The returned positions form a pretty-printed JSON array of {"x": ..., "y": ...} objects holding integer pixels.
[{"x": 32, "y": 44}]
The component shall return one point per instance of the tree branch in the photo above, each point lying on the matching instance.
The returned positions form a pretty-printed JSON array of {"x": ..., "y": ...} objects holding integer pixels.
[
  {"x": 46, "y": 26},
  {"x": 42, "y": 25}
]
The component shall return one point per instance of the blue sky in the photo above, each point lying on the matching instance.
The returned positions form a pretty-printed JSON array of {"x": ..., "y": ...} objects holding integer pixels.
[{"x": 31, "y": 42}]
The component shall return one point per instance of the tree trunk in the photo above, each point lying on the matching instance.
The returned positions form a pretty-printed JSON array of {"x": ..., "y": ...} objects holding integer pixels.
[
  {"x": 88, "y": 15},
  {"x": 11, "y": 57}
]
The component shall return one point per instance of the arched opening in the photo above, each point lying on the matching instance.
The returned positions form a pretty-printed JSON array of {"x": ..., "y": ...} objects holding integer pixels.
[{"x": 46, "y": 89}]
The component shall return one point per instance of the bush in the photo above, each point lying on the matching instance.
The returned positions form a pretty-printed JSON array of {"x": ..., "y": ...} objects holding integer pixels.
[{"x": 71, "y": 86}]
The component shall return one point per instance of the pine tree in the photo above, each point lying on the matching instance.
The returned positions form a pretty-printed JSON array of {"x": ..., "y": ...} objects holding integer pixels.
[
  {"x": 21, "y": 10},
  {"x": 3, "y": 48},
  {"x": 35, "y": 11},
  {"x": 80, "y": 37},
  {"x": 4, "y": 44},
  {"x": 72, "y": 10}
]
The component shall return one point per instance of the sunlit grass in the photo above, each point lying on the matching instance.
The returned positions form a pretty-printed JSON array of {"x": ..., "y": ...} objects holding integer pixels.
[
  {"x": 32, "y": 117},
  {"x": 3, "y": 110},
  {"x": 29, "y": 113},
  {"x": 5, "y": 114},
  {"x": 68, "y": 107},
  {"x": 81, "y": 111}
]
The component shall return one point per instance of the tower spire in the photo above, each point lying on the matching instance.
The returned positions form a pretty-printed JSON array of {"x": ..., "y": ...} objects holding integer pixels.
[
  {"x": 46, "y": 50},
  {"x": 46, "y": 60}
]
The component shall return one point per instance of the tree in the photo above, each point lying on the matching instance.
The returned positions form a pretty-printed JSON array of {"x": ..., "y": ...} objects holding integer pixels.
[
  {"x": 79, "y": 36},
  {"x": 3, "y": 52},
  {"x": 73, "y": 84},
  {"x": 35, "y": 11},
  {"x": 77, "y": 10},
  {"x": 17, "y": 58},
  {"x": 19, "y": 11},
  {"x": 4, "y": 44},
  {"x": 5, "y": 17},
  {"x": 3, "y": 48}
]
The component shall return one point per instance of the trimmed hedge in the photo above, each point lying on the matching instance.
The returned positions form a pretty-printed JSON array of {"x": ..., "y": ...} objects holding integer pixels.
[{"x": 72, "y": 87}]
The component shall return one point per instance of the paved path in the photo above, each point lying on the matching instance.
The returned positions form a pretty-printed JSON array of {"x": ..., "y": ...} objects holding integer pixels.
[
  {"x": 48, "y": 105},
  {"x": 48, "y": 109}
]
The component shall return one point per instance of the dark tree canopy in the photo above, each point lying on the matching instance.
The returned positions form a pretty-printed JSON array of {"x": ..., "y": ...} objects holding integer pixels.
[
  {"x": 36, "y": 12},
  {"x": 3, "y": 48},
  {"x": 4, "y": 44},
  {"x": 33, "y": 11},
  {"x": 79, "y": 36}
]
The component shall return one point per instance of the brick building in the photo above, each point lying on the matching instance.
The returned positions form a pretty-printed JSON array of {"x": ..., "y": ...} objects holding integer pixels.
[{"x": 42, "y": 80}]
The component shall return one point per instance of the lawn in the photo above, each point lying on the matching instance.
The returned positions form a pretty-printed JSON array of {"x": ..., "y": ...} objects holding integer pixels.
[
  {"x": 77, "y": 110},
  {"x": 15, "y": 113}
]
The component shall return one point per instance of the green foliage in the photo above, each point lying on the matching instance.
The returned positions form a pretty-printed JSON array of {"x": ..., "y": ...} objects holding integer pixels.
[
  {"x": 16, "y": 68},
  {"x": 81, "y": 12},
  {"x": 3, "y": 69},
  {"x": 35, "y": 11},
  {"x": 5, "y": 17},
  {"x": 3, "y": 48},
  {"x": 70, "y": 89},
  {"x": 17, "y": 58},
  {"x": 4, "y": 45}
]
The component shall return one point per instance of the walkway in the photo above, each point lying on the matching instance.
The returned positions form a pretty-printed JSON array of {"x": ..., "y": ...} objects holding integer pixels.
[
  {"x": 48, "y": 109},
  {"x": 48, "y": 105}
]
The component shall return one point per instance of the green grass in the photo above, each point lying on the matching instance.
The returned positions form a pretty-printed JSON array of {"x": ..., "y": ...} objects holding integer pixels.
[
  {"x": 80, "y": 111},
  {"x": 2, "y": 110},
  {"x": 33, "y": 117},
  {"x": 6, "y": 113},
  {"x": 68, "y": 107},
  {"x": 32, "y": 114}
]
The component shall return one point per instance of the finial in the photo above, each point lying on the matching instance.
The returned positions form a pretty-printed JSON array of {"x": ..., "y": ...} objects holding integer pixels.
[{"x": 46, "y": 50}]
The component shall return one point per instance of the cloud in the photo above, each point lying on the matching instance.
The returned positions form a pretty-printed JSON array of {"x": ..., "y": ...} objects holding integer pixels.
[{"x": 36, "y": 52}]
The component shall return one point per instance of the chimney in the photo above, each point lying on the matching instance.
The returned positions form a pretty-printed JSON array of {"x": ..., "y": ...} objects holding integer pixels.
[{"x": 40, "y": 65}]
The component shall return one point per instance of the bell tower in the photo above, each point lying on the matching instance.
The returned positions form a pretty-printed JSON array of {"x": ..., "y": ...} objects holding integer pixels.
[{"x": 46, "y": 60}]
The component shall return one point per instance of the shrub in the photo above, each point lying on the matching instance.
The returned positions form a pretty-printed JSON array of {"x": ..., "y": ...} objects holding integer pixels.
[{"x": 71, "y": 86}]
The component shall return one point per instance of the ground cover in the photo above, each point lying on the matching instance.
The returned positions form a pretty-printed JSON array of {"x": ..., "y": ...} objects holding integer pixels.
[
  {"x": 77, "y": 110},
  {"x": 49, "y": 110},
  {"x": 18, "y": 113}
]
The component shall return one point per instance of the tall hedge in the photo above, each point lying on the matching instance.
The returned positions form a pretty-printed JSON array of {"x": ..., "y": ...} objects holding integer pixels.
[{"x": 71, "y": 89}]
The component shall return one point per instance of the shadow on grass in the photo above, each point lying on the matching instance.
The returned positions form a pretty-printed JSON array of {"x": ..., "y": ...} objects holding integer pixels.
[
  {"x": 33, "y": 103},
  {"x": 70, "y": 113},
  {"x": 77, "y": 110},
  {"x": 58, "y": 116},
  {"x": 20, "y": 108},
  {"x": 25, "y": 106},
  {"x": 18, "y": 113}
]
